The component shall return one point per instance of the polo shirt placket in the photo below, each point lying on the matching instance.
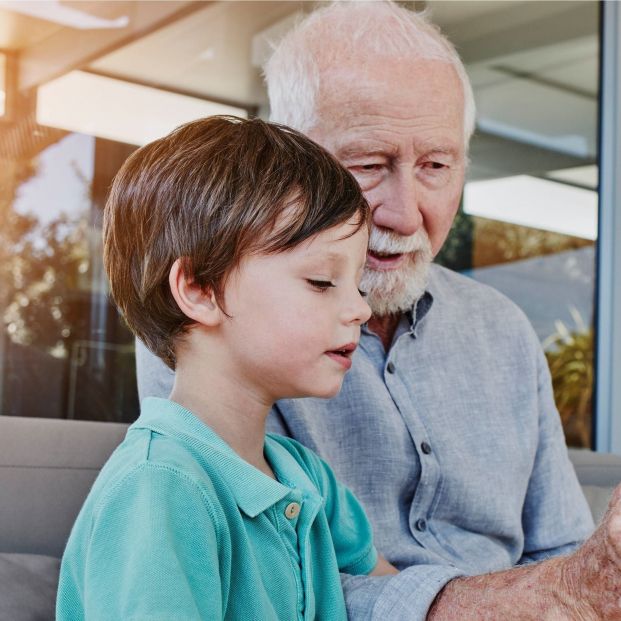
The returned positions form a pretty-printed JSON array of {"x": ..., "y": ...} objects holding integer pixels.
[{"x": 294, "y": 516}]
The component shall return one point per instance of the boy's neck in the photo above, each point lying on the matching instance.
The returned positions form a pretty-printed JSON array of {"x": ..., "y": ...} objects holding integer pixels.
[{"x": 228, "y": 408}]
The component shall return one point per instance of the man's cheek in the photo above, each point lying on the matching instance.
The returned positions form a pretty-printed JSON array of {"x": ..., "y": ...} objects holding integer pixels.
[{"x": 371, "y": 195}]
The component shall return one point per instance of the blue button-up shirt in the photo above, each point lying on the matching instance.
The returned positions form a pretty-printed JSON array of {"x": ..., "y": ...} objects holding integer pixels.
[{"x": 452, "y": 442}]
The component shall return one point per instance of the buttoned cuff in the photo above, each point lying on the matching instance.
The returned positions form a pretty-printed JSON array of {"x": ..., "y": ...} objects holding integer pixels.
[{"x": 406, "y": 596}]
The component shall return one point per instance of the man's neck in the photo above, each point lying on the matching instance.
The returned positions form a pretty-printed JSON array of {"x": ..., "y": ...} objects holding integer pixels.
[{"x": 385, "y": 327}]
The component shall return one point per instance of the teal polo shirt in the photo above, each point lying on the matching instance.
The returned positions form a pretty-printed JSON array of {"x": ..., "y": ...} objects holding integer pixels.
[{"x": 177, "y": 527}]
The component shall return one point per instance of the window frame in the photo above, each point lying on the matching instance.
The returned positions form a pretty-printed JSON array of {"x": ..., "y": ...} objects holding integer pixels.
[{"x": 607, "y": 432}]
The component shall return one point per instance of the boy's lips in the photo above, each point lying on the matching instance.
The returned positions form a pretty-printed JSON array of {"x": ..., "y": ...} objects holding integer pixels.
[
  {"x": 343, "y": 354},
  {"x": 384, "y": 261}
]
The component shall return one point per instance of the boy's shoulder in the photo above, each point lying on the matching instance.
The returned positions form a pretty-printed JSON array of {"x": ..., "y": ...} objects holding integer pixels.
[{"x": 155, "y": 460}]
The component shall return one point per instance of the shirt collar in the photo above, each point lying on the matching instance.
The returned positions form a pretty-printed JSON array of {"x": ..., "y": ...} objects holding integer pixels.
[
  {"x": 253, "y": 491},
  {"x": 416, "y": 314},
  {"x": 418, "y": 311}
]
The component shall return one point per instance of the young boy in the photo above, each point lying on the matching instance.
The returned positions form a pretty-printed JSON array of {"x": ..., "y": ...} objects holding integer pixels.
[{"x": 234, "y": 250}]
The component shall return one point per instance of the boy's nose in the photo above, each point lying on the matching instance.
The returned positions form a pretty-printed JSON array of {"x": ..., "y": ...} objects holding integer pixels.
[{"x": 362, "y": 311}]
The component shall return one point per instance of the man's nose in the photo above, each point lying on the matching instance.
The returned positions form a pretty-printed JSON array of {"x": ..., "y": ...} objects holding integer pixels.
[{"x": 398, "y": 204}]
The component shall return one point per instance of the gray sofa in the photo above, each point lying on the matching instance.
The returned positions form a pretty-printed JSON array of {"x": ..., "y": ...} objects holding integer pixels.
[{"x": 46, "y": 469}]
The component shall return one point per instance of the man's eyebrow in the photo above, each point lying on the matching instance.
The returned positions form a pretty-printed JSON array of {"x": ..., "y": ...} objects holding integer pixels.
[
  {"x": 358, "y": 149},
  {"x": 369, "y": 150},
  {"x": 433, "y": 147},
  {"x": 452, "y": 151}
]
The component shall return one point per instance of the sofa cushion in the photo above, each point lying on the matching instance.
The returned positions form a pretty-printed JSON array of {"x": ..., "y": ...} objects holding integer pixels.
[
  {"x": 599, "y": 469},
  {"x": 28, "y": 584}
]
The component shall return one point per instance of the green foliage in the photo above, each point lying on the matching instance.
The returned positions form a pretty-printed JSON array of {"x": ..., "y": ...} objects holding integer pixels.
[
  {"x": 41, "y": 277},
  {"x": 456, "y": 252},
  {"x": 41, "y": 268},
  {"x": 570, "y": 357}
]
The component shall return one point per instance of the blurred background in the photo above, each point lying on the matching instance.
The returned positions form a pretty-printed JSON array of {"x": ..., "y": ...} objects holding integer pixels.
[{"x": 82, "y": 84}]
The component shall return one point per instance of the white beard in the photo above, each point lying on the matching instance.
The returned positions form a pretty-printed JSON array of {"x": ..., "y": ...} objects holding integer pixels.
[{"x": 394, "y": 291}]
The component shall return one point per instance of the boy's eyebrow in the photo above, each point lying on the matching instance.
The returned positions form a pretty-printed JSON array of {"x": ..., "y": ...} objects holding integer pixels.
[{"x": 328, "y": 257}]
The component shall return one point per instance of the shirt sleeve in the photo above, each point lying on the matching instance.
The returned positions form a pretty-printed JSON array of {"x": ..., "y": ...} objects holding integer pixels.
[
  {"x": 556, "y": 516},
  {"x": 351, "y": 531},
  {"x": 153, "y": 551},
  {"x": 406, "y": 596}
]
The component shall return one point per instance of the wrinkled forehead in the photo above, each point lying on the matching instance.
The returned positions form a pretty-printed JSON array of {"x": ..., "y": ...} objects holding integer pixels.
[
  {"x": 384, "y": 79},
  {"x": 346, "y": 35},
  {"x": 378, "y": 94}
]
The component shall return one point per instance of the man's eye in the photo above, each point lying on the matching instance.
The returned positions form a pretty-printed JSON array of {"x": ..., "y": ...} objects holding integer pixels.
[
  {"x": 363, "y": 294},
  {"x": 435, "y": 165},
  {"x": 366, "y": 168},
  {"x": 320, "y": 285}
]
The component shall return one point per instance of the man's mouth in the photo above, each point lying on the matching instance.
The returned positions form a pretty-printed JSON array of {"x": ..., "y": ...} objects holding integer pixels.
[
  {"x": 377, "y": 260},
  {"x": 343, "y": 354}
]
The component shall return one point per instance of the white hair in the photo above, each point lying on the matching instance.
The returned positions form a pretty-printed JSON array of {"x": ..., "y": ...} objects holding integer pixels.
[{"x": 352, "y": 30}]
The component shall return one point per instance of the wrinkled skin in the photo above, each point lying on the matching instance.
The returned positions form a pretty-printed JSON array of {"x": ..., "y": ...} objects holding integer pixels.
[
  {"x": 593, "y": 573},
  {"x": 584, "y": 586}
]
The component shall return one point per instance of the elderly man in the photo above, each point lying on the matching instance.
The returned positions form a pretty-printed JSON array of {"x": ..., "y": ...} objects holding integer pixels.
[{"x": 446, "y": 426}]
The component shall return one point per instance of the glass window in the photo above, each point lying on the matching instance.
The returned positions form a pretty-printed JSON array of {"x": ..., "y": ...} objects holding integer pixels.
[
  {"x": 95, "y": 80},
  {"x": 64, "y": 350},
  {"x": 528, "y": 223}
]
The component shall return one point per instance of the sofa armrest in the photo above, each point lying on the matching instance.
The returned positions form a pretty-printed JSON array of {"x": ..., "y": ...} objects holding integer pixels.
[{"x": 599, "y": 474}]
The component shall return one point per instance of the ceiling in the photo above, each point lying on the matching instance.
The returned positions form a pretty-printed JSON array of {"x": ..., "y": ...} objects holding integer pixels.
[{"x": 209, "y": 49}]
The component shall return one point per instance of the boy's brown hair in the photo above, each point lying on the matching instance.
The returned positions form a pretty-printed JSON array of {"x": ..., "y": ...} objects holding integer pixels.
[{"x": 210, "y": 193}]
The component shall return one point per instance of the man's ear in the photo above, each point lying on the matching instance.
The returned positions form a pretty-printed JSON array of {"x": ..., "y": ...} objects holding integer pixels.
[{"x": 199, "y": 305}]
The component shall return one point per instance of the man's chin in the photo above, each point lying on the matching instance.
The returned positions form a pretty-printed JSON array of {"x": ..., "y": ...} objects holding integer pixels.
[{"x": 395, "y": 291}]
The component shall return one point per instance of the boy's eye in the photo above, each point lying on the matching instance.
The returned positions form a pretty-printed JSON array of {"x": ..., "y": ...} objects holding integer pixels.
[{"x": 320, "y": 285}]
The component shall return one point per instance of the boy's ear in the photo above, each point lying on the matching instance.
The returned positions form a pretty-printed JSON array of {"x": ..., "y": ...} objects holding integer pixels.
[{"x": 197, "y": 304}]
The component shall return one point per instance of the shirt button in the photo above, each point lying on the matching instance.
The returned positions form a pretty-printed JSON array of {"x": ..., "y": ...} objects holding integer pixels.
[
  {"x": 292, "y": 511},
  {"x": 390, "y": 367},
  {"x": 425, "y": 447},
  {"x": 421, "y": 524}
]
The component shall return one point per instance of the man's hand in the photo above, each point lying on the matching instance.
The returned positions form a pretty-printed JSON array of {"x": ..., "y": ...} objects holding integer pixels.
[
  {"x": 592, "y": 575},
  {"x": 584, "y": 586}
]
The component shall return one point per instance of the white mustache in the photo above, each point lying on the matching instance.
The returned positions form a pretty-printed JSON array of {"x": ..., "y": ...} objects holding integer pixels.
[{"x": 388, "y": 242}]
